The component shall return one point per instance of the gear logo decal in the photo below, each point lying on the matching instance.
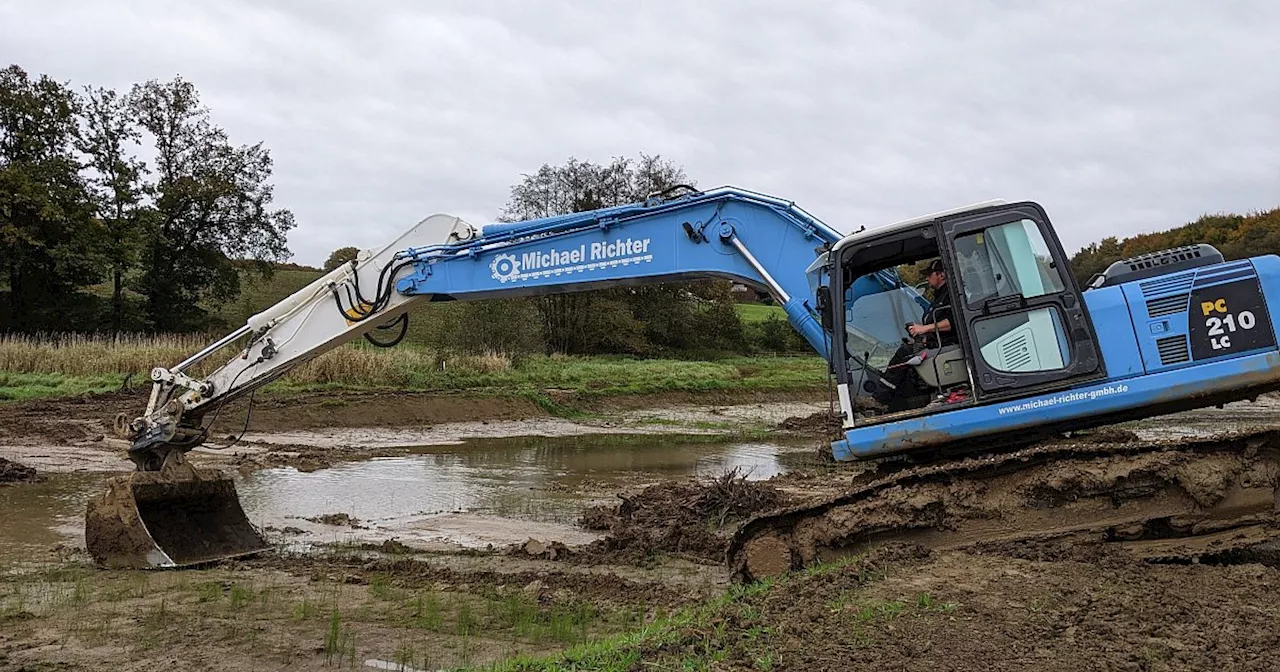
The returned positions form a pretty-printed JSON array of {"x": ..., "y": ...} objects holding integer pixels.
[
  {"x": 583, "y": 258},
  {"x": 505, "y": 267}
]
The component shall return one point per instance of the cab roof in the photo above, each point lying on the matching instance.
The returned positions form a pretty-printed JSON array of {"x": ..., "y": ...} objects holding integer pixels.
[{"x": 909, "y": 223}]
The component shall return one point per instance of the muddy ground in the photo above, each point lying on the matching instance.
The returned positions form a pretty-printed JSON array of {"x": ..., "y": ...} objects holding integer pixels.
[
  {"x": 365, "y": 601},
  {"x": 313, "y": 430}
]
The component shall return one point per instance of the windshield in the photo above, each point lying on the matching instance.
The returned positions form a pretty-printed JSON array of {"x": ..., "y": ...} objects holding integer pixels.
[{"x": 878, "y": 307}]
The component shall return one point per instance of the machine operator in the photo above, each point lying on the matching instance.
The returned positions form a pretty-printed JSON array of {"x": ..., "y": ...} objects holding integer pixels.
[{"x": 900, "y": 388}]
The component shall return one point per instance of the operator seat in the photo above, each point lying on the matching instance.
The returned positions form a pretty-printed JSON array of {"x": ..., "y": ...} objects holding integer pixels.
[{"x": 943, "y": 367}]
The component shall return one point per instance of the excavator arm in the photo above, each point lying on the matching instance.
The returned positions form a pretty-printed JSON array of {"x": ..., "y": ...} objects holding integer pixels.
[
  {"x": 728, "y": 233},
  {"x": 169, "y": 513}
]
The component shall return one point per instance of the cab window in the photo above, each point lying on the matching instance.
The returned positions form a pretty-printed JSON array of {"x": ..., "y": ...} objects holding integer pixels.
[
  {"x": 1013, "y": 260},
  {"x": 1006, "y": 260}
]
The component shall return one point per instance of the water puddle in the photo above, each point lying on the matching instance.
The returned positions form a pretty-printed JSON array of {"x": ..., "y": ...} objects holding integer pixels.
[
  {"x": 39, "y": 516},
  {"x": 493, "y": 491},
  {"x": 479, "y": 492}
]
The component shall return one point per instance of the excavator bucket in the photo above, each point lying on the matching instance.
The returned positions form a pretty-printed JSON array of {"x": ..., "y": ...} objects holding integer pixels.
[{"x": 169, "y": 518}]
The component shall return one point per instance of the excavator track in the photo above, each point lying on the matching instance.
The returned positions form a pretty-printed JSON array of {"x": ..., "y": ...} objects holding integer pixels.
[{"x": 1158, "y": 500}]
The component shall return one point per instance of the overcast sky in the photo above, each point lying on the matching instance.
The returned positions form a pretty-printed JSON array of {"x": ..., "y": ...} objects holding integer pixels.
[{"x": 1118, "y": 117}]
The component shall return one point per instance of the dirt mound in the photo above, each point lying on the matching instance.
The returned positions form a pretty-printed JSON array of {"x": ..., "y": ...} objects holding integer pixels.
[
  {"x": 822, "y": 423},
  {"x": 12, "y": 472},
  {"x": 688, "y": 518},
  {"x": 337, "y": 520}
]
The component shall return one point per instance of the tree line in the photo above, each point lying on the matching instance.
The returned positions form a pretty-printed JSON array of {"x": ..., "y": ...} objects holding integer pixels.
[
  {"x": 133, "y": 211},
  {"x": 138, "y": 190},
  {"x": 1236, "y": 236}
]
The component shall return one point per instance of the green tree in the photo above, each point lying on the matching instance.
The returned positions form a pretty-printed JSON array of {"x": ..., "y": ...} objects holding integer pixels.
[
  {"x": 340, "y": 256},
  {"x": 48, "y": 236},
  {"x": 213, "y": 203},
  {"x": 644, "y": 319},
  {"x": 107, "y": 137}
]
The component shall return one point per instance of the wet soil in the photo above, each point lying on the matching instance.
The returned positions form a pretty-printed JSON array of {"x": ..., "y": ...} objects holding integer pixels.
[
  {"x": 1160, "y": 500},
  {"x": 89, "y": 418},
  {"x": 965, "y": 593},
  {"x": 314, "y": 430},
  {"x": 338, "y": 519},
  {"x": 912, "y": 608},
  {"x": 316, "y": 612}
]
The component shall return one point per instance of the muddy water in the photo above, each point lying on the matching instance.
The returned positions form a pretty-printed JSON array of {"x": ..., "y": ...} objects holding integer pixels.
[
  {"x": 479, "y": 492},
  {"x": 36, "y": 517},
  {"x": 494, "y": 491}
]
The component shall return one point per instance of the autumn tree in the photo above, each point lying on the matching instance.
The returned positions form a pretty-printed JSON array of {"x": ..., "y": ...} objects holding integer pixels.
[{"x": 1236, "y": 236}]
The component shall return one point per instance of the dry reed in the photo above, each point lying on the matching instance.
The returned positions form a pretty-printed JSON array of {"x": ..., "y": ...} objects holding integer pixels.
[{"x": 83, "y": 355}]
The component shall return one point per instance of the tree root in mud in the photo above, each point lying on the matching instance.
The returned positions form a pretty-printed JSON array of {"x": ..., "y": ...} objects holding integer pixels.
[
  {"x": 687, "y": 519},
  {"x": 1161, "y": 501}
]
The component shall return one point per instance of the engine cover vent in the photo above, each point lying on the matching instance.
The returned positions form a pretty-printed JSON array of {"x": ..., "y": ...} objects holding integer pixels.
[
  {"x": 1168, "y": 305},
  {"x": 1177, "y": 283},
  {"x": 1173, "y": 350},
  {"x": 1163, "y": 262}
]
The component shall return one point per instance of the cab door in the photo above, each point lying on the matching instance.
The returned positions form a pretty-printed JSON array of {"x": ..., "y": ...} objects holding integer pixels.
[{"x": 1023, "y": 324}]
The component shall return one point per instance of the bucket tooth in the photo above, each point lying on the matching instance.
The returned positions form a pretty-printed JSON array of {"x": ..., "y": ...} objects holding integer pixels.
[{"x": 171, "y": 518}]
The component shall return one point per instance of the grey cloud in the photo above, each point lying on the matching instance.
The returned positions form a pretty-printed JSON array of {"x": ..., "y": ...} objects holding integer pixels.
[{"x": 1118, "y": 117}]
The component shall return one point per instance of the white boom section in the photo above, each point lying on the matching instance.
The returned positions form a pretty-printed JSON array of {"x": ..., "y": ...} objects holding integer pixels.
[{"x": 308, "y": 323}]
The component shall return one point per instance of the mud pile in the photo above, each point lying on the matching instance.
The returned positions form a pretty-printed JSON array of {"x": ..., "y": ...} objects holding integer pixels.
[
  {"x": 689, "y": 519},
  {"x": 12, "y": 472},
  {"x": 337, "y": 520},
  {"x": 823, "y": 423}
]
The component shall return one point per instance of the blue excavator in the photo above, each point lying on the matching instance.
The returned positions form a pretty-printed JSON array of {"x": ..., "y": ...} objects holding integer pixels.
[{"x": 967, "y": 396}]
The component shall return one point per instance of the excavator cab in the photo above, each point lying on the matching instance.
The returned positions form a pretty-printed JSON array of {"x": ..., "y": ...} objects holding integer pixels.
[{"x": 1015, "y": 314}]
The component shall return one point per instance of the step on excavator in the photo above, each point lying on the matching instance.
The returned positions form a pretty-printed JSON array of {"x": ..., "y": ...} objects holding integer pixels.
[{"x": 959, "y": 390}]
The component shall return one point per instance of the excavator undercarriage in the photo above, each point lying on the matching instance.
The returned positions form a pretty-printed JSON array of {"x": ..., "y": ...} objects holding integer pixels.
[{"x": 1169, "y": 500}]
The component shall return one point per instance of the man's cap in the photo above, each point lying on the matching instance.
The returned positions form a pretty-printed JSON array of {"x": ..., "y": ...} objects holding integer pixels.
[{"x": 934, "y": 266}]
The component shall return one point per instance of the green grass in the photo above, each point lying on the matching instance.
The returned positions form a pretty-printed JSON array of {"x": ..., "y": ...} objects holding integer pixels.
[
  {"x": 589, "y": 376},
  {"x": 23, "y": 386},
  {"x": 539, "y": 378},
  {"x": 758, "y": 312}
]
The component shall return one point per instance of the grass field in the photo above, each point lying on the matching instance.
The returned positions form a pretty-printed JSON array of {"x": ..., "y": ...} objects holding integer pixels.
[
  {"x": 758, "y": 312},
  {"x": 72, "y": 365}
]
